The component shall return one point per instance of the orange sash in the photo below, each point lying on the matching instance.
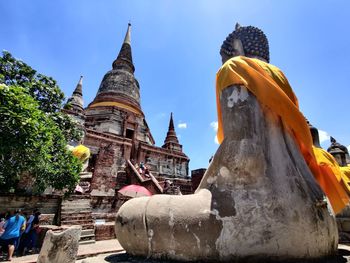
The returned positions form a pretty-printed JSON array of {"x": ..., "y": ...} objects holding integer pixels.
[{"x": 272, "y": 89}]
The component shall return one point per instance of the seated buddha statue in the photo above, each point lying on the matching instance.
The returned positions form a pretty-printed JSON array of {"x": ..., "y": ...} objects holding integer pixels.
[{"x": 258, "y": 199}]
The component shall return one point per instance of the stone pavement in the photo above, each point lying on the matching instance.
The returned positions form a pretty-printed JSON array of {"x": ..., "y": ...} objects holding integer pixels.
[
  {"x": 110, "y": 251},
  {"x": 122, "y": 257},
  {"x": 89, "y": 250}
]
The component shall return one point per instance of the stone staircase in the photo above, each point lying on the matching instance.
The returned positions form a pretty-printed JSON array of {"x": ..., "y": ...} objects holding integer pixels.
[{"x": 76, "y": 210}]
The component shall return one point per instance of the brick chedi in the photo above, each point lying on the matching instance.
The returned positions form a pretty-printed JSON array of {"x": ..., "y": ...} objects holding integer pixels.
[
  {"x": 171, "y": 142},
  {"x": 76, "y": 101},
  {"x": 339, "y": 152},
  {"x": 75, "y": 106},
  {"x": 117, "y": 134}
]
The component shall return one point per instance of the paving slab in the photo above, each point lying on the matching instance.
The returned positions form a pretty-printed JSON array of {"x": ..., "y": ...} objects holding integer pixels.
[
  {"x": 110, "y": 251},
  {"x": 84, "y": 251},
  {"x": 122, "y": 257}
]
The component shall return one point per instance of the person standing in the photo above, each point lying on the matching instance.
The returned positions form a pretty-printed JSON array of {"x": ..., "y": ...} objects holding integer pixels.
[
  {"x": 13, "y": 228},
  {"x": 2, "y": 224},
  {"x": 33, "y": 233}
]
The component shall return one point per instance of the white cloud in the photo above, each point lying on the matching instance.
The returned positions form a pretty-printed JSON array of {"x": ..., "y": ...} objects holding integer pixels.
[
  {"x": 182, "y": 125},
  {"x": 348, "y": 148},
  {"x": 324, "y": 136},
  {"x": 160, "y": 115},
  {"x": 216, "y": 139},
  {"x": 214, "y": 125}
]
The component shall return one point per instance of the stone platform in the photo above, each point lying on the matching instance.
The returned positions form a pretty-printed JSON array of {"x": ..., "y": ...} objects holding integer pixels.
[
  {"x": 343, "y": 257},
  {"x": 85, "y": 251},
  {"x": 110, "y": 251},
  {"x": 122, "y": 257}
]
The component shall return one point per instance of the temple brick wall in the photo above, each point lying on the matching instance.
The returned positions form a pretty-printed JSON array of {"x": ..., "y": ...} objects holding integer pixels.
[
  {"x": 48, "y": 205},
  {"x": 104, "y": 231},
  {"x": 105, "y": 120},
  {"x": 106, "y": 169}
]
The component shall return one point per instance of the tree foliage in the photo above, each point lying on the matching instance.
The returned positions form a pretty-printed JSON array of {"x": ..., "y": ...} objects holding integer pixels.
[
  {"x": 33, "y": 132},
  {"x": 42, "y": 88}
]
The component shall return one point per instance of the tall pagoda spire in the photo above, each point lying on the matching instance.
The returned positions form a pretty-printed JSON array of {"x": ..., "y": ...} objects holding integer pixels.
[
  {"x": 124, "y": 59},
  {"x": 76, "y": 100},
  {"x": 171, "y": 142},
  {"x": 119, "y": 86},
  {"x": 79, "y": 88}
]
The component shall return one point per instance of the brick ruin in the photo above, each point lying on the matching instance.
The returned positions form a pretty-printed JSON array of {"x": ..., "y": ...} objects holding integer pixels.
[
  {"x": 341, "y": 155},
  {"x": 119, "y": 138},
  {"x": 117, "y": 134}
]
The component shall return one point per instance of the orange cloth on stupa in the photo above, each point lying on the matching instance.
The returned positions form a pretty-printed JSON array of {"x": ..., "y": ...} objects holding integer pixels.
[
  {"x": 332, "y": 175},
  {"x": 271, "y": 88},
  {"x": 81, "y": 152}
]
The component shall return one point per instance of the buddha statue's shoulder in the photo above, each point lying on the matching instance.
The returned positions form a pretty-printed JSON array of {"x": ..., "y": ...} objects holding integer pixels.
[
  {"x": 238, "y": 68},
  {"x": 257, "y": 64},
  {"x": 324, "y": 157}
]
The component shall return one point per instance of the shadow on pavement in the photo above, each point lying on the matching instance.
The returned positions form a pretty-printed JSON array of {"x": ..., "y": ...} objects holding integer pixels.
[{"x": 125, "y": 258}]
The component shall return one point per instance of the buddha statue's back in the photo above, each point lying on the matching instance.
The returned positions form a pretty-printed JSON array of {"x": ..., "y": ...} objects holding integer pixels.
[{"x": 258, "y": 199}]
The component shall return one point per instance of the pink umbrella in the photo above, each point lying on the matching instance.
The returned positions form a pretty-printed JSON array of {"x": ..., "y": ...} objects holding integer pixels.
[{"x": 134, "y": 190}]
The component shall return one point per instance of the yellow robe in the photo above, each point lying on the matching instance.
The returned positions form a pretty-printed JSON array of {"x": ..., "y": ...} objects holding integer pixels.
[{"x": 272, "y": 90}]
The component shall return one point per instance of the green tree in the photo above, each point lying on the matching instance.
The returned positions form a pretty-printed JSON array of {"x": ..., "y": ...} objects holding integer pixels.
[
  {"x": 33, "y": 132},
  {"x": 42, "y": 88}
]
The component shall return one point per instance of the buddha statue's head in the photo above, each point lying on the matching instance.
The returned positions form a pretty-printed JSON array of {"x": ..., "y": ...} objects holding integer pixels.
[
  {"x": 314, "y": 134},
  {"x": 246, "y": 41}
]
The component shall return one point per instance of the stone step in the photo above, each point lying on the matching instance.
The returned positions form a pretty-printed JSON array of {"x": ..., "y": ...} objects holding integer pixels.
[
  {"x": 83, "y": 226},
  {"x": 87, "y": 226},
  {"x": 86, "y": 232},
  {"x": 77, "y": 197},
  {"x": 86, "y": 242},
  {"x": 73, "y": 209},
  {"x": 87, "y": 237},
  {"x": 87, "y": 202},
  {"x": 86, "y": 212},
  {"x": 77, "y": 222},
  {"x": 75, "y": 204},
  {"x": 82, "y": 201},
  {"x": 82, "y": 213},
  {"x": 76, "y": 217},
  {"x": 108, "y": 217},
  {"x": 85, "y": 208},
  {"x": 72, "y": 212}
]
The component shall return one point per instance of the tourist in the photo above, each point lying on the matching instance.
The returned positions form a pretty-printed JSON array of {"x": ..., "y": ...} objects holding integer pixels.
[
  {"x": 141, "y": 168},
  {"x": 167, "y": 187},
  {"x": 2, "y": 223},
  {"x": 146, "y": 171},
  {"x": 31, "y": 243},
  {"x": 26, "y": 238},
  {"x": 13, "y": 228}
]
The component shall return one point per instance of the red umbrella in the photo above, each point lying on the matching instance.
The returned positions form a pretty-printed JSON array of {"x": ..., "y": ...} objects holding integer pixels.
[{"x": 134, "y": 190}]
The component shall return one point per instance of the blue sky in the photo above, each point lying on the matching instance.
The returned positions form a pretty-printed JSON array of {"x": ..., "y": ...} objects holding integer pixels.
[{"x": 176, "y": 54}]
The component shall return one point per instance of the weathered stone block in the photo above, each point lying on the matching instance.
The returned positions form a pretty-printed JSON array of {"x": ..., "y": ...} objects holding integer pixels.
[{"x": 60, "y": 247}]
